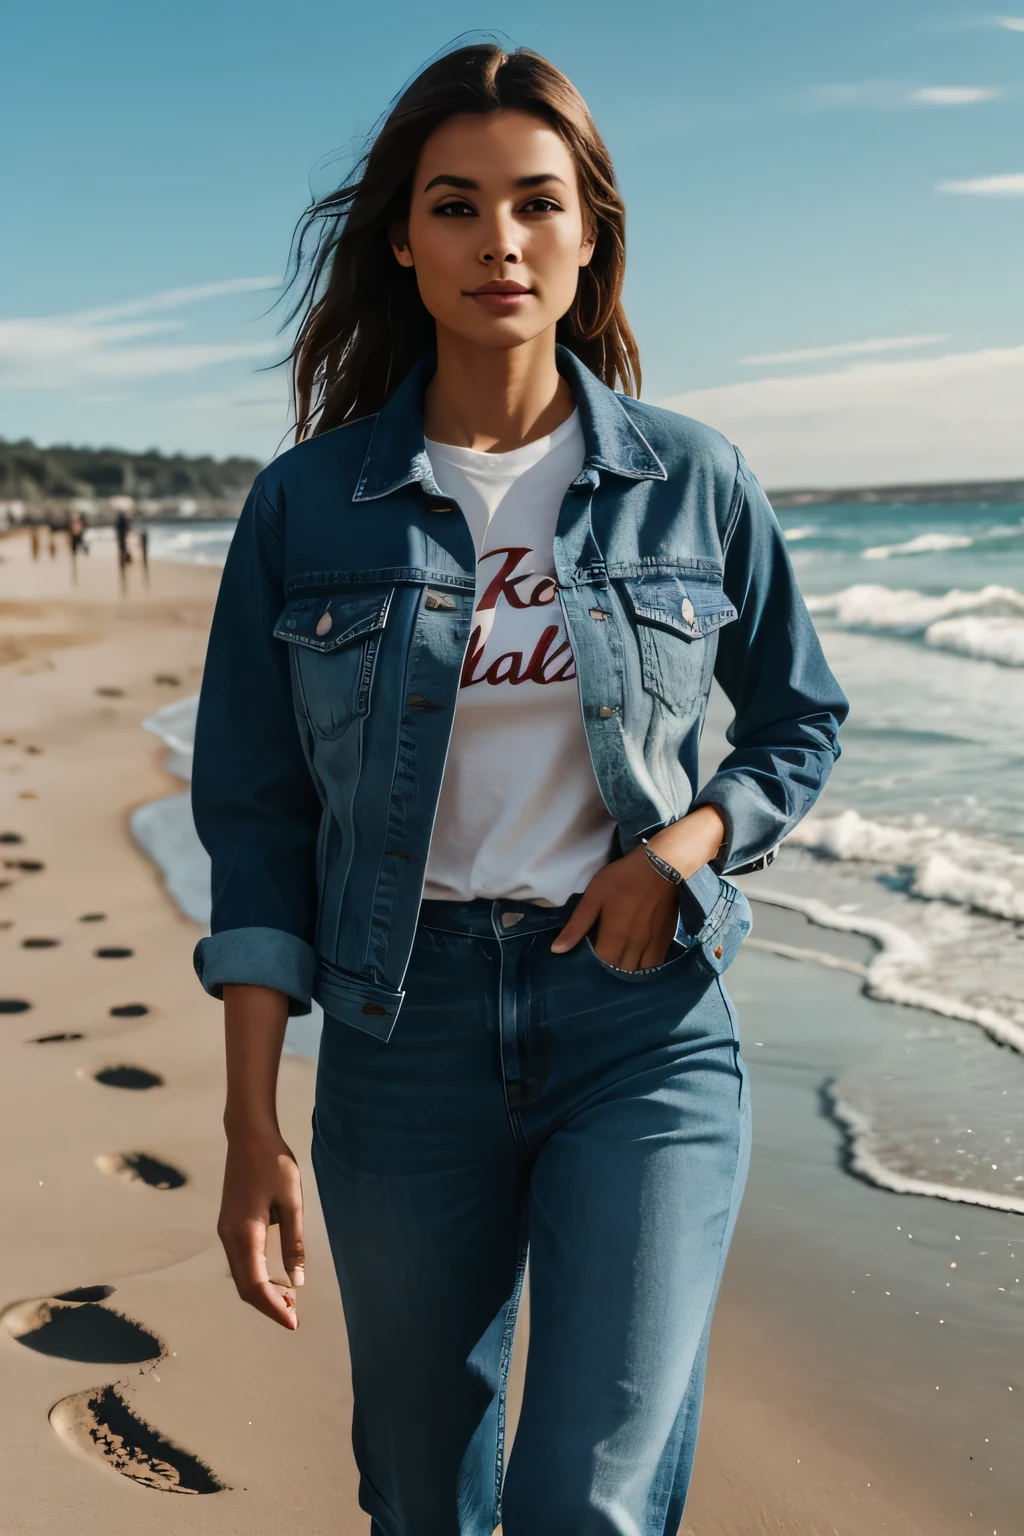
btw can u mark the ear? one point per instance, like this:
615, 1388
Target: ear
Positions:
587, 248
398, 239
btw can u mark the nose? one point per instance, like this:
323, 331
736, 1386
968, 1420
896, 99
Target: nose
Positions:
500, 244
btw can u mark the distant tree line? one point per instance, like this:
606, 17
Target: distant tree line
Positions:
34, 475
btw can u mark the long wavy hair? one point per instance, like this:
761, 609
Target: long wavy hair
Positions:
363, 324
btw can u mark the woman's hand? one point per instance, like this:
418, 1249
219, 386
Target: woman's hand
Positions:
635, 908
262, 1185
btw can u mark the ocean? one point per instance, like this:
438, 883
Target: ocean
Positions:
916, 844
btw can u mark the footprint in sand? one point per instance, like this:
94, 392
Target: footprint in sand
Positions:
140, 1168
93, 917
49, 1039
11, 837
128, 1077
128, 1010
100, 1426
75, 1326
110, 693
14, 1005
113, 952
39, 943
168, 679
30, 866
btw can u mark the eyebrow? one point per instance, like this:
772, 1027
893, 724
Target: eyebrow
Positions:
467, 184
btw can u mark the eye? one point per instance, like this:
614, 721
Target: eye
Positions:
549, 205
456, 207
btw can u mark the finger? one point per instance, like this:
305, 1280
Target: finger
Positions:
293, 1254
611, 946
584, 916
246, 1249
655, 954
276, 1302
632, 958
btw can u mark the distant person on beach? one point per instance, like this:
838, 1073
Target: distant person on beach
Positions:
446, 771
122, 527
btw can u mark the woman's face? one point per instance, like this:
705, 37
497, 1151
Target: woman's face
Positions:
495, 201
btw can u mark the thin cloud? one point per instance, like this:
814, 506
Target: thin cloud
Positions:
954, 95
891, 95
51, 351
1011, 23
959, 416
177, 298
987, 186
844, 349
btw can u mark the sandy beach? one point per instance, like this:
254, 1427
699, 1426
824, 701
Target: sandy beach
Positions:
866, 1369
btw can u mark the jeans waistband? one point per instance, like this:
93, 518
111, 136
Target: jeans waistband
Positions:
502, 918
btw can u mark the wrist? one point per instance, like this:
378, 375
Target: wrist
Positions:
692, 841
244, 1126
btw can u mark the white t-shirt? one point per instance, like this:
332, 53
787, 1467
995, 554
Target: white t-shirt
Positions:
520, 814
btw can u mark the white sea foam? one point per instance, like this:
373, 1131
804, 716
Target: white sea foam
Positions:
923, 544
905, 969
805, 531
940, 863
987, 639
937, 542
865, 1158
987, 624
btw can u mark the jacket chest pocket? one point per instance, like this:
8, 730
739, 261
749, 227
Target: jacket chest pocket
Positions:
676, 617
333, 641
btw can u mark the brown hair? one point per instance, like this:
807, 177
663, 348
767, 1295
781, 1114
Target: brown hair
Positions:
363, 324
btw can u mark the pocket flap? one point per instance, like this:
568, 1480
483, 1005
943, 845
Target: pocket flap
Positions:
689, 603
327, 623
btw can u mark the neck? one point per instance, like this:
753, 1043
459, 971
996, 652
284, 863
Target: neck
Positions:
495, 399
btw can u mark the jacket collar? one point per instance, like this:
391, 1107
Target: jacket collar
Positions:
396, 454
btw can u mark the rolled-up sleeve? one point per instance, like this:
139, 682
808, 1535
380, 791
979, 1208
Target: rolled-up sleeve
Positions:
254, 801
788, 706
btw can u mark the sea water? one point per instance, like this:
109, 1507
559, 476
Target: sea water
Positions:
917, 841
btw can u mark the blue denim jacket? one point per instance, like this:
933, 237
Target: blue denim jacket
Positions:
335, 660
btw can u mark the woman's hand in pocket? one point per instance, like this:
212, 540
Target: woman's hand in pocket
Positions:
262, 1186
636, 909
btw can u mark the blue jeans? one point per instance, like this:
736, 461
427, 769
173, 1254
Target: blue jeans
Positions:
600, 1117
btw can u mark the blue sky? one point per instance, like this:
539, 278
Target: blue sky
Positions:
845, 183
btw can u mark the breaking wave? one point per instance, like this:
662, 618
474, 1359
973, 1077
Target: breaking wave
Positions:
987, 624
939, 863
937, 543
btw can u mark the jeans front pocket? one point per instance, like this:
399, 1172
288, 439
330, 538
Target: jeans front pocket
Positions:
676, 953
333, 641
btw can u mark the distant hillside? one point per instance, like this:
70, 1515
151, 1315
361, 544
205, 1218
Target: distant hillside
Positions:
1004, 492
35, 475
39, 475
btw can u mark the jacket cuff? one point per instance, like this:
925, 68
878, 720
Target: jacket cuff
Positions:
750, 830
257, 957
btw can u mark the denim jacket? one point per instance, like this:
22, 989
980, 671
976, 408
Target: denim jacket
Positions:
335, 660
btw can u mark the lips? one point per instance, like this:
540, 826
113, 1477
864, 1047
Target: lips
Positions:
498, 287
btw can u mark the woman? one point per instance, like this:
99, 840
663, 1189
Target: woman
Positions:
445, 768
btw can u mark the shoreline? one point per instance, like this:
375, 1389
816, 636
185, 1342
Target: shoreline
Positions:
813, 1393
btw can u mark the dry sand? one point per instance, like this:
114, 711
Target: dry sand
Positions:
167, 1376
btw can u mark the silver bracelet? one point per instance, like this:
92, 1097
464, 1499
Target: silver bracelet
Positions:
666, 870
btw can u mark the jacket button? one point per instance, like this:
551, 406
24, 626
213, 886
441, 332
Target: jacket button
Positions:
324, 624
717, 951
606, 711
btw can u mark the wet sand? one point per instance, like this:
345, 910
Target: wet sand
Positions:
822, 1414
